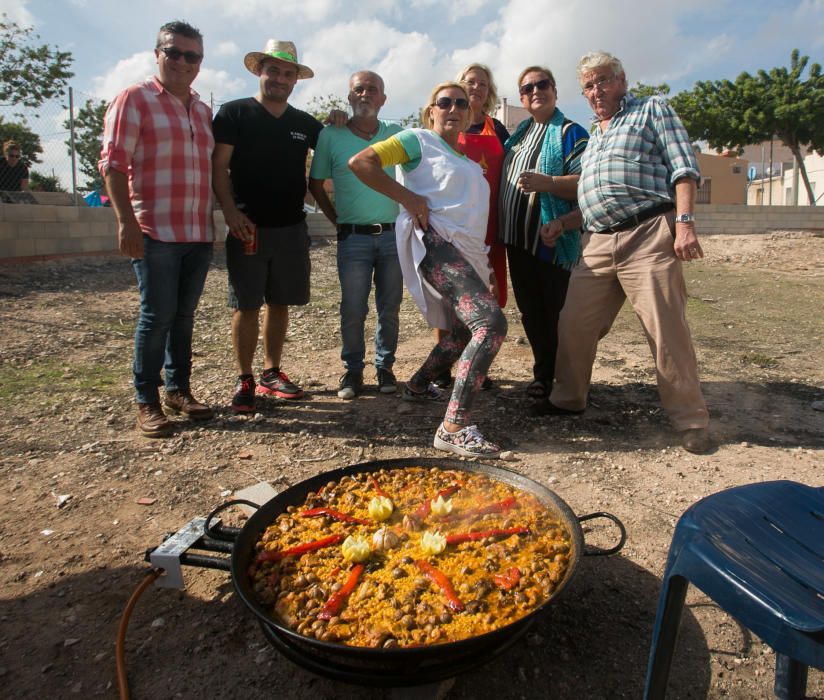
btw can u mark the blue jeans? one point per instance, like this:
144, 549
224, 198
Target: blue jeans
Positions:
358, 256
170, 278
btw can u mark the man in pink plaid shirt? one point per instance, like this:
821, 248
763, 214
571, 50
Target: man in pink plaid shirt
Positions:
156, 161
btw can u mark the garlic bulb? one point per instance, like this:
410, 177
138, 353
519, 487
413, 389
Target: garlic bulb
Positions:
385, 539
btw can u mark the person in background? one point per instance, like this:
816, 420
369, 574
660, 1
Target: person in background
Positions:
483, 142
639, 177
156, 162
441, 232
260, 181
14, 174
540, 174
365, 222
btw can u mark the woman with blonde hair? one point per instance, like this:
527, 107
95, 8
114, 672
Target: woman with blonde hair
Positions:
440, 235
483, 141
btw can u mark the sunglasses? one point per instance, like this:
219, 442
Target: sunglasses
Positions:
447, 102
13, 155
174, 54
527, 88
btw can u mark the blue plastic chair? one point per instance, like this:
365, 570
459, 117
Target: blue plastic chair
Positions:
758, 552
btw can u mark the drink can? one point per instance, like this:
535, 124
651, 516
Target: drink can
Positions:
250, 245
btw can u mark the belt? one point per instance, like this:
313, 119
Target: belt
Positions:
640, 217
368, 229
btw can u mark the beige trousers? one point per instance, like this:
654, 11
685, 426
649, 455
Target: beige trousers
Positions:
640, 265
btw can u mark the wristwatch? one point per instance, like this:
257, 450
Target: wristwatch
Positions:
685, 219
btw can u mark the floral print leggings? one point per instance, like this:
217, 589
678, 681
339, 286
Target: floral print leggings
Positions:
477, 326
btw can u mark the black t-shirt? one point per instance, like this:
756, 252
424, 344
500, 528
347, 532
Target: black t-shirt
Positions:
11, 175
268, 166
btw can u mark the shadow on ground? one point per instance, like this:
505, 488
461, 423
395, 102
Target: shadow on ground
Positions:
59, 640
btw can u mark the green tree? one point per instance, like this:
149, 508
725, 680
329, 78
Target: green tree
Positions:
754, 108
643, 90
30, 74
88, 133
411, 121
28, 141
319, 107
44, 183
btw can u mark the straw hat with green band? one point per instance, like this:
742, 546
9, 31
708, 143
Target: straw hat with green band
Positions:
281, 50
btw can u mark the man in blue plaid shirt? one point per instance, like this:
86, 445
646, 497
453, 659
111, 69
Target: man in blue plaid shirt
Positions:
636, 195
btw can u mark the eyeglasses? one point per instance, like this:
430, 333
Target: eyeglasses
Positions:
595, 84
15, 156
527, 88
446, 102
175, 54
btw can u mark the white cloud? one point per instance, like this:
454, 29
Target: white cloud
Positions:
406, 61
226, 48
217, 84
455, 10
17, 12
125, 72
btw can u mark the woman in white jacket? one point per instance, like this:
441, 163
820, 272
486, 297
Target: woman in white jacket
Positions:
440, 235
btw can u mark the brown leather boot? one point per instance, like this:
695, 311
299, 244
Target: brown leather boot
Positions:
183, 402
151, 421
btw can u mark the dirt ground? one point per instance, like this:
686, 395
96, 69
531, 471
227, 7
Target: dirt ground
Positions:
73, 535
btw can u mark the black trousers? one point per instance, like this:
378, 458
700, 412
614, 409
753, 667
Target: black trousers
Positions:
540, 291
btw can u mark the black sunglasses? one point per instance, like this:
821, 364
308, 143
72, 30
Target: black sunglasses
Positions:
446, 102
174, 54
527, 88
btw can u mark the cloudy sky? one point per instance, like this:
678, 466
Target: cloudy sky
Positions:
414, 44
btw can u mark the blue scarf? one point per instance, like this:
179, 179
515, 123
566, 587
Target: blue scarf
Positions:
567, 250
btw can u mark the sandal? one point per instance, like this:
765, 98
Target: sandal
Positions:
538, 389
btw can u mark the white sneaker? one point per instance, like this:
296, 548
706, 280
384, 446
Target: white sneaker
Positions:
467, 442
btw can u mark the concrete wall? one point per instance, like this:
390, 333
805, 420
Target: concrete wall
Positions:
738, 218
36, 232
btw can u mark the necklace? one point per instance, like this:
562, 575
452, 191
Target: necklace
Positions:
368, 135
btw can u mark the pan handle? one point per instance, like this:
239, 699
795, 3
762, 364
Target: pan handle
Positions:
220, 532
592, 552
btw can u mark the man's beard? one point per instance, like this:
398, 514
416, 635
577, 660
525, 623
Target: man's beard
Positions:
364, 110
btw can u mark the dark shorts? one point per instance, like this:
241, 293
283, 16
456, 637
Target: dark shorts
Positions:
277, 274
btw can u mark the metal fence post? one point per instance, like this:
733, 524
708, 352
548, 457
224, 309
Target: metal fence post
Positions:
71, 141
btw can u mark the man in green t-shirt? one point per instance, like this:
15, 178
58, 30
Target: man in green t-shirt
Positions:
365, 221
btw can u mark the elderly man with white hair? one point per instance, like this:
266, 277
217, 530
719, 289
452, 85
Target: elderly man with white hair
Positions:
636, 194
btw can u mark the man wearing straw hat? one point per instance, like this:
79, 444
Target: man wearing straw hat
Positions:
260, 180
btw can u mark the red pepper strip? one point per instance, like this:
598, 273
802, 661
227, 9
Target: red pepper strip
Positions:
377, 487
474, 536
499, 507
300, 549
334, 514
509, 580
425, 507
439, 579
334, 605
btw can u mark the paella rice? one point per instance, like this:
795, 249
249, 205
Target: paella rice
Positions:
409, 557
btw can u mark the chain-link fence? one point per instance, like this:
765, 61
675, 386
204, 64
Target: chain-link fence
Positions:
42, 134
60, 140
